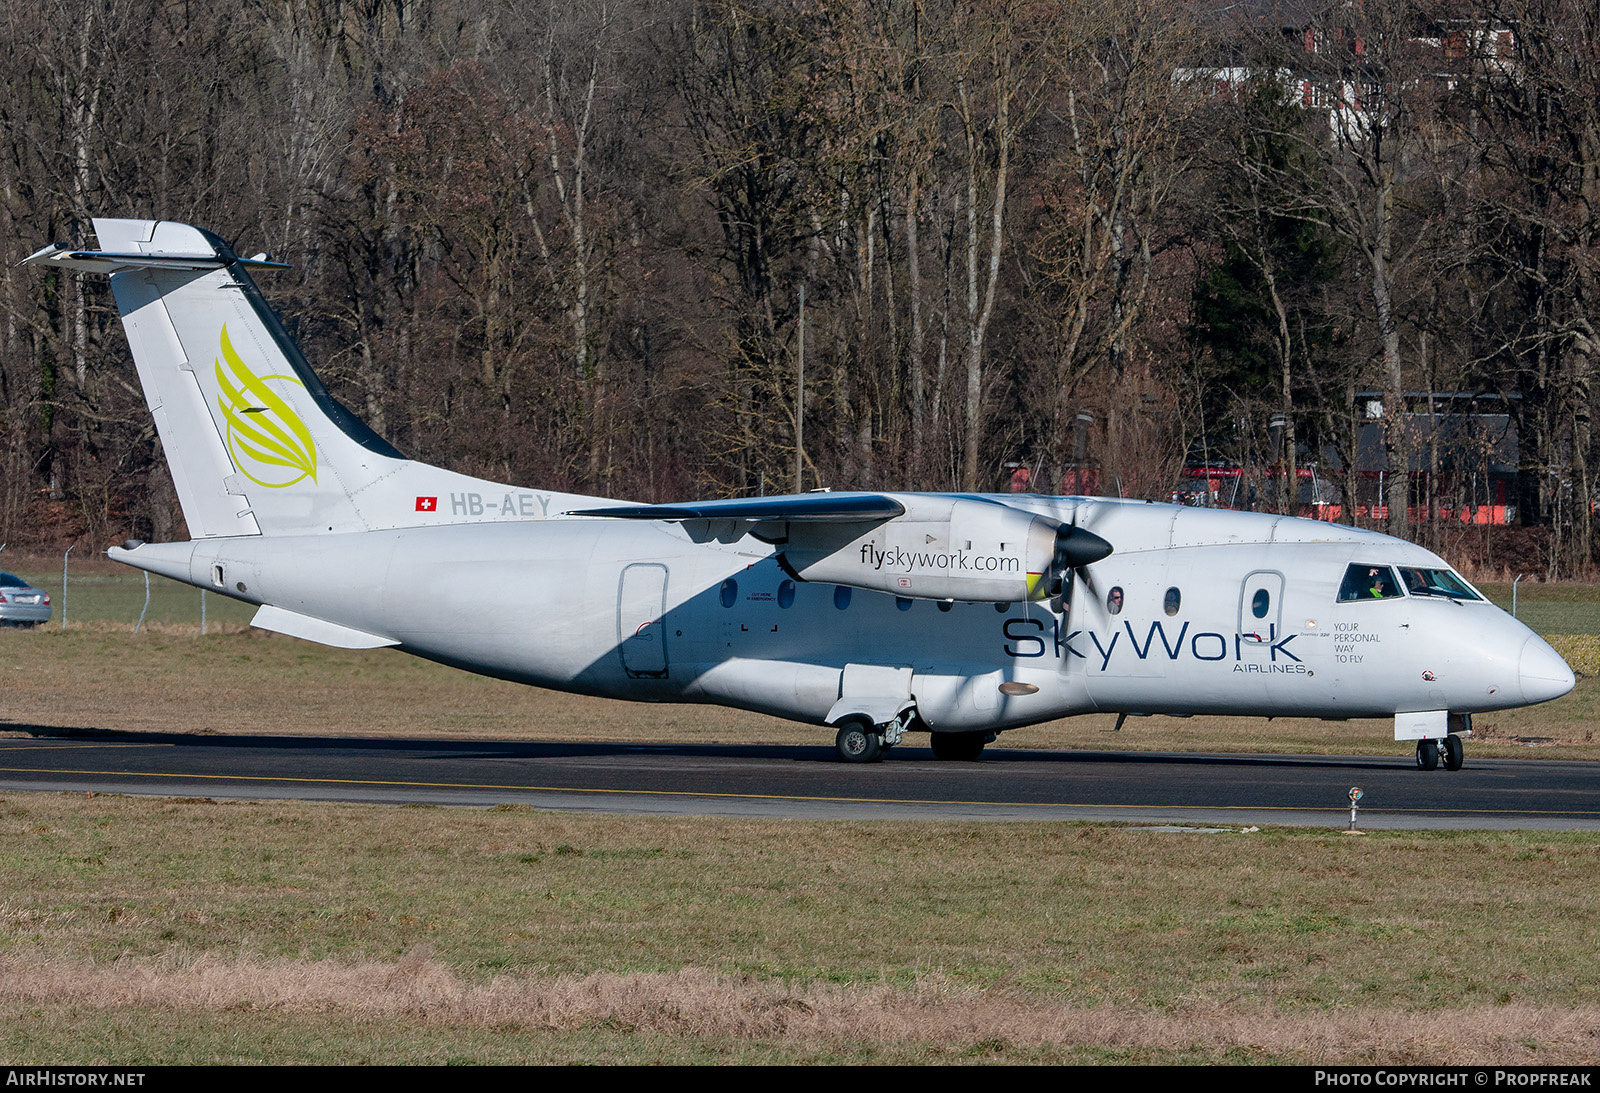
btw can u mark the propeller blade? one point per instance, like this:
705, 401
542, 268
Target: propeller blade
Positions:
1083, 575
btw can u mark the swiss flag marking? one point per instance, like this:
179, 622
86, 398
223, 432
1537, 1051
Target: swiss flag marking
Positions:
427, 504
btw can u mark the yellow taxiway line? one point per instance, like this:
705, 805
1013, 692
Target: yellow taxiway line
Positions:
68, 747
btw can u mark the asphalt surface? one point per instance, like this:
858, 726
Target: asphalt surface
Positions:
812, 783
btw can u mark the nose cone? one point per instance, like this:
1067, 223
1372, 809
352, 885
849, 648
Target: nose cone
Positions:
1543, 673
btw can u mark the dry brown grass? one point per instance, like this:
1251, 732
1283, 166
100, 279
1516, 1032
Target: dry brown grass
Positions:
200, 931
701, 1004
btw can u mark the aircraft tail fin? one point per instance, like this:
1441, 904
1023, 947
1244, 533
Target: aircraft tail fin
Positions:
255, 442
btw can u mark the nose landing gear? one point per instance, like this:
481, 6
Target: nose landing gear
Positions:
1450, 748
1454, 752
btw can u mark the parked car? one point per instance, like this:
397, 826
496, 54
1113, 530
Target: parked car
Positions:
20, 603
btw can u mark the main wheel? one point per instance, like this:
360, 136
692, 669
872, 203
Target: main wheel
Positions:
858, 743
1454, 752
965, 746
1427, 755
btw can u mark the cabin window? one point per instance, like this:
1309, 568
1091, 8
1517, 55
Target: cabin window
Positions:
730, 592
902, 603
945, 605
1364, 581
1171, 601
1114, 600
786, 594
1260, 603
1002, 607
841, 596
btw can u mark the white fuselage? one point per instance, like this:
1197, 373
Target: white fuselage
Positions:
658, 611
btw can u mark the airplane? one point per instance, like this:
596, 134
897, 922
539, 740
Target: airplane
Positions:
875, 614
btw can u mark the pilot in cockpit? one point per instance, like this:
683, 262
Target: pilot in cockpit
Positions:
1369, 582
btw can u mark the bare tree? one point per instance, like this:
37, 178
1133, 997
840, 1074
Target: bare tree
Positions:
1534, 66
1372, 72
997, 90
1118, 137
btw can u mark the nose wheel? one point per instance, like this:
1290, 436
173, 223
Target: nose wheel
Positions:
1427, 755
1450, 749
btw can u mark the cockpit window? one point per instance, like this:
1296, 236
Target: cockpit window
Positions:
1363, 581
1436, 582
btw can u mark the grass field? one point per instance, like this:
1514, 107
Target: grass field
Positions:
193, 931
143, 931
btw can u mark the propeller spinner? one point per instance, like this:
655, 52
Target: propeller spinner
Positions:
1075, 548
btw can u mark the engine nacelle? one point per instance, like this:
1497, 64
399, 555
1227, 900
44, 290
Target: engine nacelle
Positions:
942, 548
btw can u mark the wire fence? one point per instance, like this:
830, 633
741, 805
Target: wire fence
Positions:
135, 599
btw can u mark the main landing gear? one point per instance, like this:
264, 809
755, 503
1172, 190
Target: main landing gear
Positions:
1450, 748
964, 746
860, 741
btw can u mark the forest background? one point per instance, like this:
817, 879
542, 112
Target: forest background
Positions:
567, 244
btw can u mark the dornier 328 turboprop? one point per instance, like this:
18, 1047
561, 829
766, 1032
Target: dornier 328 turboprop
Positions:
876, 614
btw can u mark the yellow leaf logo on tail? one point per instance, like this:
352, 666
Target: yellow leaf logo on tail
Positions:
269, 443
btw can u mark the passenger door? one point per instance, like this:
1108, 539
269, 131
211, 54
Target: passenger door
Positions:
1261, 607
641, 634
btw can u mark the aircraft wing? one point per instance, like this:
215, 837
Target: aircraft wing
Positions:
929, 546
795, 508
